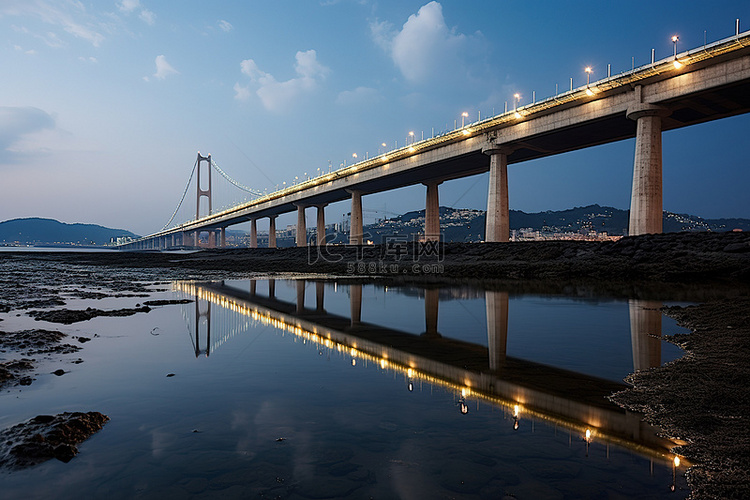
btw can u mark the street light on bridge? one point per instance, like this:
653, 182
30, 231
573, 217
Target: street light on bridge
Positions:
588, 71
677, 64
463, 117
516, 100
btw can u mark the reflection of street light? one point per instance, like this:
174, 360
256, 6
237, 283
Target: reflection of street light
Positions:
516, 101
677, 64
463, 117
588, 80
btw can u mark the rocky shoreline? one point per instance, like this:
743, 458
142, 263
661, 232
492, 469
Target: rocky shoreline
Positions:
702, 398
45, 437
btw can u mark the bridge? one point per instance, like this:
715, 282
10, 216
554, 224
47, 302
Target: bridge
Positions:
525, 389
699, 85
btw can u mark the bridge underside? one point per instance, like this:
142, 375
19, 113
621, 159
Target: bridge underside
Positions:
685, 111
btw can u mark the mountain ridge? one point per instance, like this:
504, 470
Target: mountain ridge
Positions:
468, 225
456, 225
44, 231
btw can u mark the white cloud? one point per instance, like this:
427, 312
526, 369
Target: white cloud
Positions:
425, 47
16, 125
128, 5
225, 26
249, 68
52, 40
163, 68
241, 93
147, 17
30, 52
308, 65
383, 34
358, 97
278, 96
70, 16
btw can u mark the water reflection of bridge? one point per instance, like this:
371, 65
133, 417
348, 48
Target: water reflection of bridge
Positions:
521, 387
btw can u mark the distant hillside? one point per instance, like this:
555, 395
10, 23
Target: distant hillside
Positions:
468, 225
37, 231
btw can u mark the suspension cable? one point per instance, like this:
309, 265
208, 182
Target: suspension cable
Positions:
183, 196
234, 182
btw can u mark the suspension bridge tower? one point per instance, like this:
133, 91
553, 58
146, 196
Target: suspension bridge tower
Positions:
202, 192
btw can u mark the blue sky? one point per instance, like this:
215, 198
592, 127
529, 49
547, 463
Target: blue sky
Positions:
104, 104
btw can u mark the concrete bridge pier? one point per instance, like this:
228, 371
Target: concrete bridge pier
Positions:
223, 237
253, 287
202, 318
431, 304
497, 225
272, 232
253, 233
271, 288
645, 330
355, 304
320, 234
646, 195
300, 295
320, 296
496, 304
356, 228
432, 212
301, 226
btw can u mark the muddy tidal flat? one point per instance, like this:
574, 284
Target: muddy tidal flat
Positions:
702, 399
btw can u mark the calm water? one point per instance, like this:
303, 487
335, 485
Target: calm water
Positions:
302, 389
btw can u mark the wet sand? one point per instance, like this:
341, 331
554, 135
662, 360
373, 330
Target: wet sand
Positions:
702, 398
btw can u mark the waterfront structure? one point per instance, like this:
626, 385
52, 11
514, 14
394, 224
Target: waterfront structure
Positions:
699, 85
